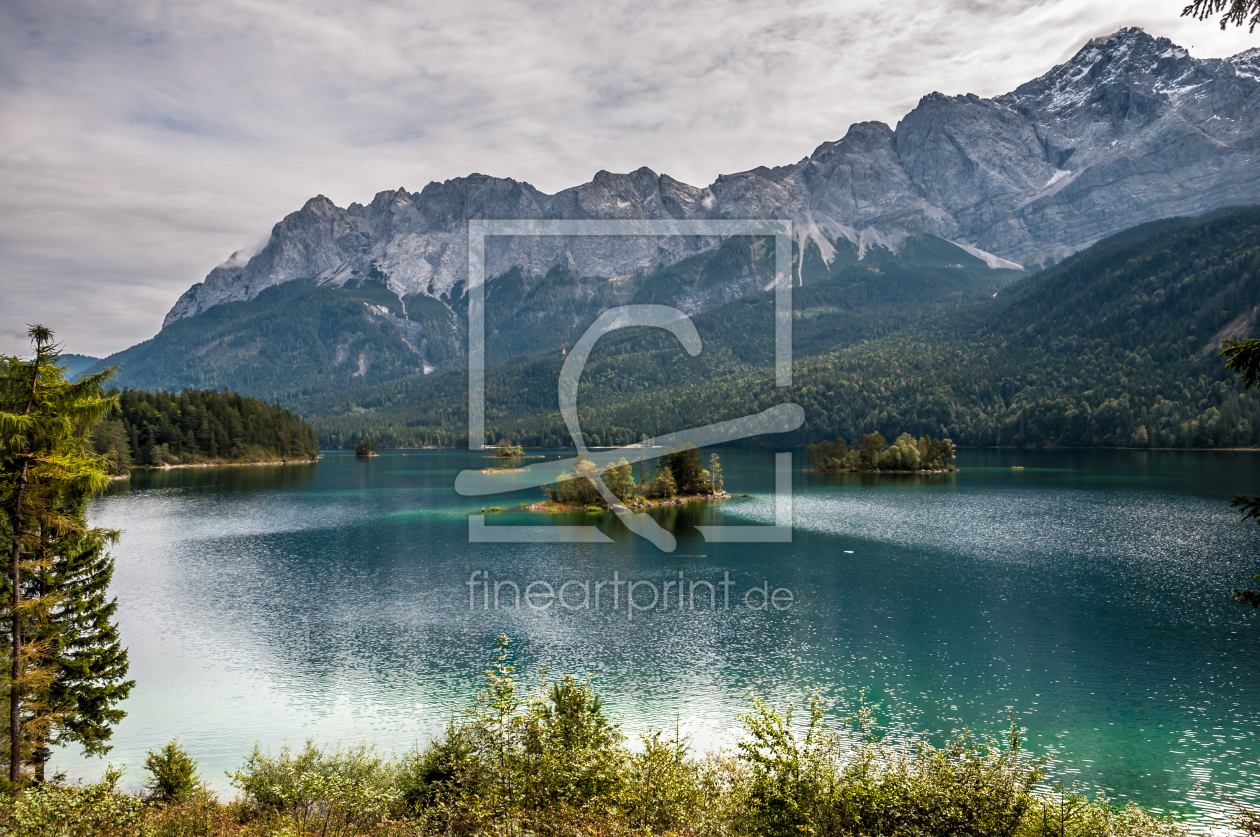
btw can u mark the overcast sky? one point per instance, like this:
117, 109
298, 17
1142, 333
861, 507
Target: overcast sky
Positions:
141, 142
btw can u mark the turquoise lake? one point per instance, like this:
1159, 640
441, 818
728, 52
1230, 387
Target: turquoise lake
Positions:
1089, 591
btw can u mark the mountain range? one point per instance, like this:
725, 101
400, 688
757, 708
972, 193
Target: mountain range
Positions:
956, 199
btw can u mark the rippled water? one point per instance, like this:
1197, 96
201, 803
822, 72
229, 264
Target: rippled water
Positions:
1088, 591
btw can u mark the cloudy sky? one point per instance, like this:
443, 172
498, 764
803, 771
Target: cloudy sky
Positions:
142, 142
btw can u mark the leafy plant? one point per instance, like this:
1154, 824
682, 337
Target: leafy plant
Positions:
56, 810
172, 774
284, 781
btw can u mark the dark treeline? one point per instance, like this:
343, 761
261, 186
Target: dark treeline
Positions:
162, 428
873, 453
1114, 348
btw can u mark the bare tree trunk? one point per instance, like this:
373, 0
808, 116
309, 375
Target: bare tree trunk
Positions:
15, 692
39, 748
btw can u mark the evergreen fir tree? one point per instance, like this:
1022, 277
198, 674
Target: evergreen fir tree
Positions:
47, 470
688, 471
83, 648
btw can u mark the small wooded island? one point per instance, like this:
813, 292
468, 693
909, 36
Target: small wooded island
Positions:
509, 451
677, 478
199, 427
365, 447
874, 454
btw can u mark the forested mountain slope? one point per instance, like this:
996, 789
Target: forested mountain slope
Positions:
1114, 347
294, 339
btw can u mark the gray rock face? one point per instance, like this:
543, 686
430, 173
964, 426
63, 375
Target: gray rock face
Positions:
1129, 130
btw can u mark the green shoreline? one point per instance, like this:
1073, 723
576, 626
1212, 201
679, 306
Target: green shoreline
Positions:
950, 470
183, 465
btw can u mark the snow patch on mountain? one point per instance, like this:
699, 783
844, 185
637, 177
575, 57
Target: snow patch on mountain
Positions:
871, 237
994, 262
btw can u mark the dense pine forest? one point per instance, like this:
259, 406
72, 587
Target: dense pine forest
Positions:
199, 426
1115, 347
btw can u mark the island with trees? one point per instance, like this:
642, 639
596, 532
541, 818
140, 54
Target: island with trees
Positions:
365, 448
677, 478
506, 457
199, 427
509, 451
874, 454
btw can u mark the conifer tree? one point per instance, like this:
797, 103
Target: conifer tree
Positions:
687, 468
47, 470
82, 646
1236, 12
1242, 357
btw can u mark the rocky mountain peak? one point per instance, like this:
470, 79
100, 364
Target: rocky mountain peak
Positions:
1247, 63
1104, 70
320, 205
391, 197
861, 138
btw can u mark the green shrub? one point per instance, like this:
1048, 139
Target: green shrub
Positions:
667, 789
338, 791
335, 805
441, 774
815, 780
1070, 813
793, 775
172, 774
57, 810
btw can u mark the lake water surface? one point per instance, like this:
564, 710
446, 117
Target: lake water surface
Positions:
1089, 591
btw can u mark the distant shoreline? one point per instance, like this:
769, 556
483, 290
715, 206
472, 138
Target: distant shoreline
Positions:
559, 451
216, 465
950, 470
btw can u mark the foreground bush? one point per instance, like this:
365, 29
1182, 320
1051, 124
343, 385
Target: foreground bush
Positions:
550, 761
58, 810
173, 774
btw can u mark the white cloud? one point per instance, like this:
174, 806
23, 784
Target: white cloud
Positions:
142, 142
